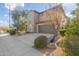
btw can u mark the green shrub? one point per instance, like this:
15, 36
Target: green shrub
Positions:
62, 32
40, 42
70, 45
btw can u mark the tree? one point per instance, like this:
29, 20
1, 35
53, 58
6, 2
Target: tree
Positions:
19, 19
73, 28
71, 41
57, 18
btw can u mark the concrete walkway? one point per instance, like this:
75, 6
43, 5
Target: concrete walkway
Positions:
5, 34
19, 45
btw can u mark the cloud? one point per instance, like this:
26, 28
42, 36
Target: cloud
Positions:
69, 15
6, 15
69, 7
12, 6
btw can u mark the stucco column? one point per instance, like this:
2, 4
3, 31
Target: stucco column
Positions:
37, 30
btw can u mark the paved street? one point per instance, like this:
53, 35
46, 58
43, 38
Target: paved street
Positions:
19, 45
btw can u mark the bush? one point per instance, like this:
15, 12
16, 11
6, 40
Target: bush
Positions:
12, 32
72, 31
62, 32
40, 42
70, 45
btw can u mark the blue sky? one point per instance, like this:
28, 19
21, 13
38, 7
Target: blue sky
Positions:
4, 11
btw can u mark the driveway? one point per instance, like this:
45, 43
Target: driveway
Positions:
19, 45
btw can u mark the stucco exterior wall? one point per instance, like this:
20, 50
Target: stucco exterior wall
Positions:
32, 19
53, 16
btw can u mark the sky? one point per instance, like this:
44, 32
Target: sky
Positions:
4, 9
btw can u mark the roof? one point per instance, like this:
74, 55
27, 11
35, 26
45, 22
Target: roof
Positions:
57, 7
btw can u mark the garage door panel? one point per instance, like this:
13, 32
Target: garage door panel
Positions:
45, 29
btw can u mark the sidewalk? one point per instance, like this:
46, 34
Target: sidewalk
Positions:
2, 35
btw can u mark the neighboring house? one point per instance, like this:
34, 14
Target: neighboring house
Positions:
1, 31
47, 21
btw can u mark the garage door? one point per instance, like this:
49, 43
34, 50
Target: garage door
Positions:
45, 29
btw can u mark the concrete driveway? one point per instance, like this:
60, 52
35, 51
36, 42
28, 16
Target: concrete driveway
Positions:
19, 45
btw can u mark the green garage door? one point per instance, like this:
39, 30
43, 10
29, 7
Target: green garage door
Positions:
45, 29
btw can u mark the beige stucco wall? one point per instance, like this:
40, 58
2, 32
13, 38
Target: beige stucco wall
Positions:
47, 15
32, 19
54, 16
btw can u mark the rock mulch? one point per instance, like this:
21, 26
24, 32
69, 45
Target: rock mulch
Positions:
53, 49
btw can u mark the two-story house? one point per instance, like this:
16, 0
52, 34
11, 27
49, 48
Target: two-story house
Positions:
47, 21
